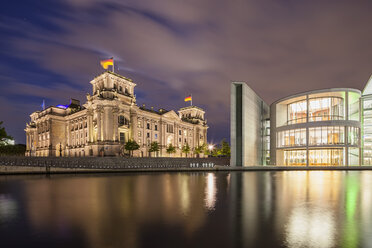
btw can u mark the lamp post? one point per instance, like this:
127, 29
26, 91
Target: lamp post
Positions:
210, 148
60, 149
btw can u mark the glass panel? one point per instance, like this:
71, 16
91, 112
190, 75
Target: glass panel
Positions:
353, 135
353, 156
326, 157
291, 138
297, 112
326, 108
354, 106
295, 158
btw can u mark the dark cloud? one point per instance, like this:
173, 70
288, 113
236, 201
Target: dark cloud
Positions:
173, 48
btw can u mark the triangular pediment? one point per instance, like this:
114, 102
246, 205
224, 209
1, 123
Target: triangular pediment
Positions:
171, 114
368, 88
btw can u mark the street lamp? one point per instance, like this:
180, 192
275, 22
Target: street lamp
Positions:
210, 148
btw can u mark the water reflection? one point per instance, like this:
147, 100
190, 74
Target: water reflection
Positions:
210, 191
8, 208
250, 209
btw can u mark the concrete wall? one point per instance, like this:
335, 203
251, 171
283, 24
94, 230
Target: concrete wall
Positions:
248, 111
33, 164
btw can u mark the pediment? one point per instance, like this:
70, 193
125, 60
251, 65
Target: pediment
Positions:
171, 115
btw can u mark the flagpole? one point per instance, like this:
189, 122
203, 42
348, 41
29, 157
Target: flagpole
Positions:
113, 65
191, 100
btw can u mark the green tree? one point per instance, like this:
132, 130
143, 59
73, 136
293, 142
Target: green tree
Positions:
130, 146
3, 135
154, 147
225, 148
199, 149
171, 149
216, 151
186, 149
17, 150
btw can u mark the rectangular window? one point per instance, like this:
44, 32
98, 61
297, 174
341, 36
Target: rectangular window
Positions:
297, 112
148, 135
156, 136
156, 127
290, 138
169, 128
180, 132
122, 137
148, 125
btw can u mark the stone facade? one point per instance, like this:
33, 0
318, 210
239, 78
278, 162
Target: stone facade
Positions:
110, 118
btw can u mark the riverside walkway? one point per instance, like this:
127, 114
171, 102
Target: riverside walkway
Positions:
46, 165
30, 165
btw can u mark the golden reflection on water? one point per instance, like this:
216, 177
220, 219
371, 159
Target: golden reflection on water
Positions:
92, 204
250, 209
210, 191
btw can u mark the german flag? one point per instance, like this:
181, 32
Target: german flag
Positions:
188, 99
106, 63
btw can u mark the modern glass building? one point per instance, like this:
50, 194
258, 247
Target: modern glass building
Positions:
316, 128
329, 127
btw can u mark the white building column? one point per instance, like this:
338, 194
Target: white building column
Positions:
99, 125
115, 125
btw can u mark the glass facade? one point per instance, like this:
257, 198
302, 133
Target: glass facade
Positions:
326, 109
291, 138
334, 141
326, 135
326, 157
295, 158
367, 131
297, 112
353, 136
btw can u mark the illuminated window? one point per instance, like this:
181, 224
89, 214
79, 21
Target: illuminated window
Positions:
326, 157
326, 108
297, 112
294, 137
353, 133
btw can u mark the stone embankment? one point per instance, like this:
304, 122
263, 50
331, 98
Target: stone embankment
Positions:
30, 165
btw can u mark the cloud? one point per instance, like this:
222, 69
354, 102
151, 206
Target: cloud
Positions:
172, 48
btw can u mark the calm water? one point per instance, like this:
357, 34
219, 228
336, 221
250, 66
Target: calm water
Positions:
249, 209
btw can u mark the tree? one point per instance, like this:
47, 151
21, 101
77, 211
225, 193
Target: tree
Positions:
225, 148
199, 149
154, 147
130, 146
186, 149
171, 149
3, 135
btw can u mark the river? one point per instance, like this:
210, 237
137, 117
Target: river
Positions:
237, 209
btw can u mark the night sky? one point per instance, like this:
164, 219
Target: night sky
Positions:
51, 50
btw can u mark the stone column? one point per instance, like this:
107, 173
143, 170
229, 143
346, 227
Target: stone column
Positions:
134, 124
90, 125
27, 141
99, 126
115, 125
68, 135
107, 133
